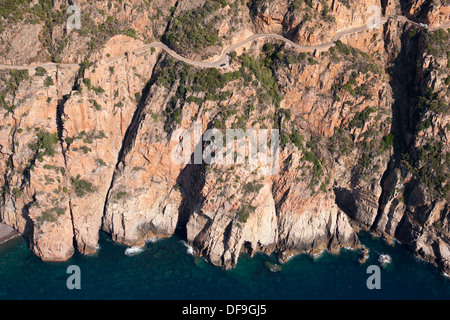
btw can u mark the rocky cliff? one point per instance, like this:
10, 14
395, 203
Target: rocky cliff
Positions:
363, 127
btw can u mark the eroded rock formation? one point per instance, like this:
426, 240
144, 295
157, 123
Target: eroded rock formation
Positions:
363, 129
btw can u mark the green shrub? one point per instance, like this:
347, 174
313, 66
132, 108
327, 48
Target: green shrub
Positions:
88, 84
297, 140
130, 33
191, 31
40, 72
342, 48
45, 144
387, 142
100, 162
81, 187
120, 195
244, 213
312, 61
48, 82
16, 77
432, 101
51, 215
138, 97
16, 192
437, 42
361, 117
268, 47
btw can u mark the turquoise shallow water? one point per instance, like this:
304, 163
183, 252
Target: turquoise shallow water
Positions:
164, 270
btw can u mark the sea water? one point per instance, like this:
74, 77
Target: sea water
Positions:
168, 269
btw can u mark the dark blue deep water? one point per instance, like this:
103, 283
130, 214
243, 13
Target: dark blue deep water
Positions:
164, 270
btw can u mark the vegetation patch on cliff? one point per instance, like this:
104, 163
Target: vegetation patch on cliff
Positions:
428, 159
194, 30
81, 187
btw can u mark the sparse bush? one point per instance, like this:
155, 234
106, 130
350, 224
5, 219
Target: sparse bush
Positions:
130, 33
48, 81
40, 72
81, 187
45, 144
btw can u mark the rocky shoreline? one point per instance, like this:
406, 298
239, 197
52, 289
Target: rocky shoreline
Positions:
7, 233
363, 130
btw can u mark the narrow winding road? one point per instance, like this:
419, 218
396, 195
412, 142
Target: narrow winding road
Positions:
224, 59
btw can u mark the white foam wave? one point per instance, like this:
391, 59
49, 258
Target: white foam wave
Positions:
132, 251
384, 259
287, 259
189, 249
319, 255
419, 259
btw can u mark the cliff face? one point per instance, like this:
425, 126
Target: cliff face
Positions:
414, 204
310, 22
363, 130
36, 31
33, 168
434, 13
